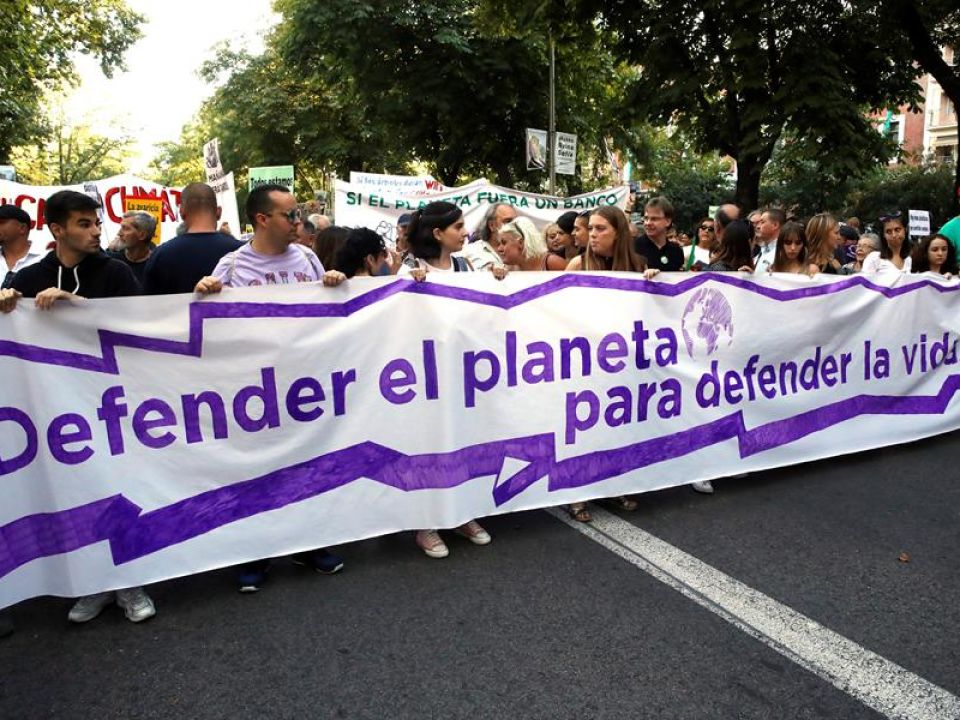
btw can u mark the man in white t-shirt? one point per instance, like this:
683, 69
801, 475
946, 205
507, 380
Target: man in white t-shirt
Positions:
273, 257
768, 230
16, 249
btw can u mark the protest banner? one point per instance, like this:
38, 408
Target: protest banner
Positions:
420, 185
151, 206
147, 438
355, 206
114, 192
536, 145
565, 153
919, 223
277, 175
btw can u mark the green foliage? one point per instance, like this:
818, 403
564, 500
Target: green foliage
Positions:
903, 188
71, 155
40, 38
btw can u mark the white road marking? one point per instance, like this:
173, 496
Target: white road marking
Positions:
873, 680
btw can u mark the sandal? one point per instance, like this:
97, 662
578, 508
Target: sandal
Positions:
579, 512
624, 503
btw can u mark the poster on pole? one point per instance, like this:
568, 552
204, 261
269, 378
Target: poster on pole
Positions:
276, 174
536, 149
565, 153
213, 166
919, 223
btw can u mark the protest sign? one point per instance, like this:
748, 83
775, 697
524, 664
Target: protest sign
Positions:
162, 436
404, 184
113, 192
277, 175
919, 223
151, 206
536, 145
357, 207
213, 166
565, 153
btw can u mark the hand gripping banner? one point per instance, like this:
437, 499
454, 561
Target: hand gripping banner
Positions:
148, 438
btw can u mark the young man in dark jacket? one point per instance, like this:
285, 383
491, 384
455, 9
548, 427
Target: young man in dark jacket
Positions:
78, 268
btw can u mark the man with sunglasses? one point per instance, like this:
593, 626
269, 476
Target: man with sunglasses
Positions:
15, 246
273, 256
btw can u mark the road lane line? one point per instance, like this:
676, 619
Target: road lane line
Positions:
873, 680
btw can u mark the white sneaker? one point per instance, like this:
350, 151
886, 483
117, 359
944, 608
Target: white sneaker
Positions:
87, 608
432, 544
474, 533
136, 604
704, 486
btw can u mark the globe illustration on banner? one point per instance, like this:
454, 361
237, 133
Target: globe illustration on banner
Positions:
707, 323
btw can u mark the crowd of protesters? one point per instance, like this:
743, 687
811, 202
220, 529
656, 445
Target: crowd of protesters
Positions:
287, 248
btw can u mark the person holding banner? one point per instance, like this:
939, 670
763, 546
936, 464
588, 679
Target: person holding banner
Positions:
790, 255
699, 254
273, 257
610, 247
15, 246
434, 234
76, 268
364, 254
894, 254
521, 247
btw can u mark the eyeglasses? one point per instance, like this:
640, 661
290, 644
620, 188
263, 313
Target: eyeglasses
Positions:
292, 216
708, 228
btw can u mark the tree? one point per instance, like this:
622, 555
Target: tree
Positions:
72, 155
734, 75
39, 38
928, 26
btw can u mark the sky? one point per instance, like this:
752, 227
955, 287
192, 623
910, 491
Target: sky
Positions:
160, 90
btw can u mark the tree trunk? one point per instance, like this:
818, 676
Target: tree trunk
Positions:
748, 183
931, 60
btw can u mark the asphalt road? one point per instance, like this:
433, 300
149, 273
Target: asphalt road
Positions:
542, 623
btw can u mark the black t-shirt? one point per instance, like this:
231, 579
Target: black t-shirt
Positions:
178, 264
669, 258
137, 267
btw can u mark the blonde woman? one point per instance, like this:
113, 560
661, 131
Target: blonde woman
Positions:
823, 239
521, 247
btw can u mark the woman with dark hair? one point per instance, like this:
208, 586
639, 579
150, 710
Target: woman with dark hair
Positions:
823, 239
698, 256
937, 255
734, 253
363, 254
791, 253
894, 254
610, 247
328, 242
436, 231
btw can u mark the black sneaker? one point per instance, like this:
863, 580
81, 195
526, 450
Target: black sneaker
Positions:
253, 575
325, 563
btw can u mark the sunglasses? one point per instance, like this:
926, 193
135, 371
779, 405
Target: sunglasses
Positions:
292, 216
708, 228
888, 218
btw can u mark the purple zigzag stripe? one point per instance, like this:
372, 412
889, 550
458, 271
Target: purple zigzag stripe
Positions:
133, 535
199, 312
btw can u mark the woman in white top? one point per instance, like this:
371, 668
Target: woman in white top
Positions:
436, 232
894, 254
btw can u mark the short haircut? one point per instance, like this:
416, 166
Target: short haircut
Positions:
58, 207
198, 196
533, 243
359, 243
721, 219
776, 215
143, 221
662, 204
259, 202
